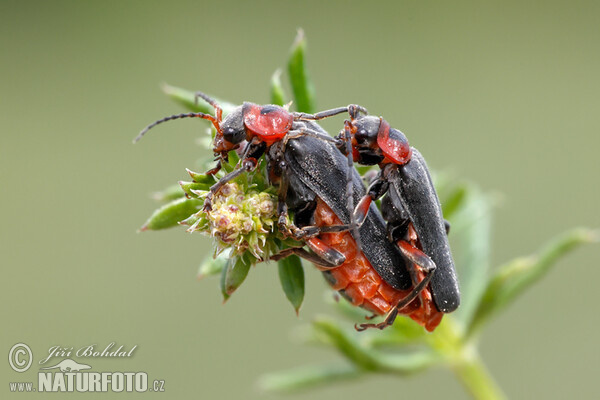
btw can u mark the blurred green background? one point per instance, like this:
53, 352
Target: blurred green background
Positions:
503, 93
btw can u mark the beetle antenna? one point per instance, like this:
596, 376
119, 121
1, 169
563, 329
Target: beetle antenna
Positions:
177, 116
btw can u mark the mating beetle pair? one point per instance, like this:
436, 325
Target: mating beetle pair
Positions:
319, 185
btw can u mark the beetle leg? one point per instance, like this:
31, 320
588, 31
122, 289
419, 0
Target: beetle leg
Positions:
306, 232
248, 162
215, 169
355, 109
220, 157
447, 226
320, 115
389, 320
302, 131
354, 225
282, 209
300, 252
324, 256
378, 188
352, 109
247, 165
325, 252
415, 257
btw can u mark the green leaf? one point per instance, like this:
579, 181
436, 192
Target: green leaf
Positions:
513, 278
211, 266
454, 200
346, 345
302, 87
189, 188
188, 99
277, 94
173, 192
233, 158
403, 331
201, 178
223, 280
369, 359
409, 363
291, 276
308, 377
170, 214
470, 236
234, 274
363, 169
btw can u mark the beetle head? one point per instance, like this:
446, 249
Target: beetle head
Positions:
375, 142
232, 127
364, 140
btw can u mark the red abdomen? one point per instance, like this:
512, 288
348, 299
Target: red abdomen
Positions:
357, 280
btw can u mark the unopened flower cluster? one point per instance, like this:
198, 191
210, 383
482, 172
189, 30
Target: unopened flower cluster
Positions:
241, 219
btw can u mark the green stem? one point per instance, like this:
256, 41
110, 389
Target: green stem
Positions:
463, 358
475, 377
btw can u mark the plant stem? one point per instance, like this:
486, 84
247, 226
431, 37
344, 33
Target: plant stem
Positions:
475, 377
463, 358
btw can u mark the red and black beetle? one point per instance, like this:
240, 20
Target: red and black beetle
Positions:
311, 175
259, 125
259, 128
411, 207
316, 182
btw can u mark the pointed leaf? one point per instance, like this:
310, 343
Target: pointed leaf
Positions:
191, 188
308, 377
301, 85
513, 278
454, 200
470, 236
291, 276
222, 282
173, 192
409, 363
170, 214
201, 178
369, 359
277, 94
234, 274
187, 99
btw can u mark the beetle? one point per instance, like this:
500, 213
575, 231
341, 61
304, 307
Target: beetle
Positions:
311, 176
260, 126
411, 206
304, 162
